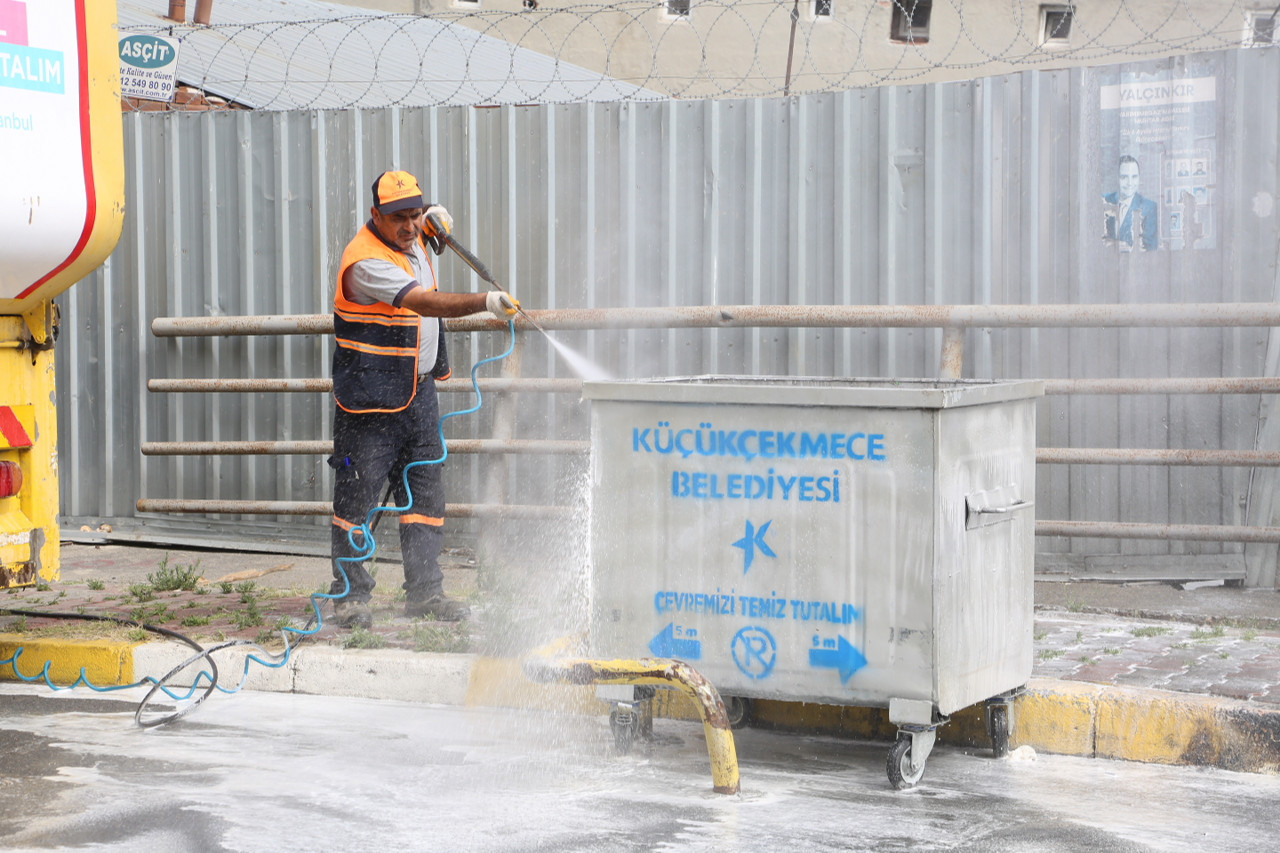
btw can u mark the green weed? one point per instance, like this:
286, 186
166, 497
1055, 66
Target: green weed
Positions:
168, 578
362, 638
267, 636
142, 592
1050, 654
1208, 633
1149, 631
247, 617
96, 584
431, 638
194, 621
157, 612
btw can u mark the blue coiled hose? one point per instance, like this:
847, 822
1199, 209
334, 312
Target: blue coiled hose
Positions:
206, 681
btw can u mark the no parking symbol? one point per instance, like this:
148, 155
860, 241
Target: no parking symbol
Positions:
755, 651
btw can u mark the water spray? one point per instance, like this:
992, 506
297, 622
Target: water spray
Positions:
441, 238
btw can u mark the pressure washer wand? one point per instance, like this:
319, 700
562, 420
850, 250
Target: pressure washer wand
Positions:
475, 263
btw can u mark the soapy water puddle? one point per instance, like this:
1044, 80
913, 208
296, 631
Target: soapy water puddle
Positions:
260, 771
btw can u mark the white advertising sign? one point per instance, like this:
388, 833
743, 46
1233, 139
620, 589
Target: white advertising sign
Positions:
43, 204
148, 67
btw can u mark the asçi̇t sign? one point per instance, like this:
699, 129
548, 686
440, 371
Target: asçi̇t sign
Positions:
148, 67
61, 196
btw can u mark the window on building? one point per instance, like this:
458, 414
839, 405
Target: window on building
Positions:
1264, 27
910, 21
1055, 25
676, 8
822, 9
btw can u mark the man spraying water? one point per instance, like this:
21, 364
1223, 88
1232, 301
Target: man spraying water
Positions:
389, 352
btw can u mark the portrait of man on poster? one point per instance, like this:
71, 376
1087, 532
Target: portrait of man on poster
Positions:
1128, 214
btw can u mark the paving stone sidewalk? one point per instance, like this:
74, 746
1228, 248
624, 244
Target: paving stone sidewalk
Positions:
1184, 657
1222, 643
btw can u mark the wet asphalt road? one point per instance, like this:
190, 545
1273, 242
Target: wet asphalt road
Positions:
256, 771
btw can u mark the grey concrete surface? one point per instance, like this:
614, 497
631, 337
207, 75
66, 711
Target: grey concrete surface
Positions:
286, 772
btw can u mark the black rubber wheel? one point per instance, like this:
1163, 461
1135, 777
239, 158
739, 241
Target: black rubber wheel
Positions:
998, 728
624, 732
739, 710
899, 766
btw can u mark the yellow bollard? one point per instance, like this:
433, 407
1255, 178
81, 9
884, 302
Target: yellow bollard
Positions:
662, 672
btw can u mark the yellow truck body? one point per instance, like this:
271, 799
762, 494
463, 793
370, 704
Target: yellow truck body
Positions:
61, 213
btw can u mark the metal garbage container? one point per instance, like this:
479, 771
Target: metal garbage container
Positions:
842, 541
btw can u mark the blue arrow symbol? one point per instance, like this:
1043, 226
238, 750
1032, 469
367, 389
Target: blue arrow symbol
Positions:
667, 645
845, 658
753, 540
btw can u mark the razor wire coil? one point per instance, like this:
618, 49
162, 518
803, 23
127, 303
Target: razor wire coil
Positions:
634, 51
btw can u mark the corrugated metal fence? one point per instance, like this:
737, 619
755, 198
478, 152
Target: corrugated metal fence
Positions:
978, 192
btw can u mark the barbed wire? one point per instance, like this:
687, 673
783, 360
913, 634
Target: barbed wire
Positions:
312, 55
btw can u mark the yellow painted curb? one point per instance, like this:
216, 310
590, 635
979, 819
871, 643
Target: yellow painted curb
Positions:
1057, 717
1051, 716
103, 663
500, 683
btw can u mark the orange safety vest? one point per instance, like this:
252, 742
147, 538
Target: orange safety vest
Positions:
375, 362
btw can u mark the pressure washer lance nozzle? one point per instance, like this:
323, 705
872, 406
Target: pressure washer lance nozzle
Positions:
442, 234
519, 309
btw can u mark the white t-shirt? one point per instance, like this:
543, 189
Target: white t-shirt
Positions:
375, 280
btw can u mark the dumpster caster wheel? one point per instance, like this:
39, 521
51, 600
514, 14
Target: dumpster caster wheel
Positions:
998, 728
902, 773
739, 711
624, 725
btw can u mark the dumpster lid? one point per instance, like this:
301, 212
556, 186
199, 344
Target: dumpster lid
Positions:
816, 391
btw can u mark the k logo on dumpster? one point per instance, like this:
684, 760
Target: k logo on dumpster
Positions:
752, 542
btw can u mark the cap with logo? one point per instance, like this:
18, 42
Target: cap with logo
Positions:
394, 191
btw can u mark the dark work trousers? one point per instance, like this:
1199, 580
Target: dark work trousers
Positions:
369, 451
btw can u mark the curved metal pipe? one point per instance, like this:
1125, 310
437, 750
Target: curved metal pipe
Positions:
663, 672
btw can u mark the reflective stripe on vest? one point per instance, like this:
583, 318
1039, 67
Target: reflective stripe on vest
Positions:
375, 362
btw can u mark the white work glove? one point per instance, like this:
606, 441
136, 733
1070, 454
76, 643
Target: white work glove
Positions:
501, 305
438, 212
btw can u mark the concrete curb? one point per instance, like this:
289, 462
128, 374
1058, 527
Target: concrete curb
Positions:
1052, 716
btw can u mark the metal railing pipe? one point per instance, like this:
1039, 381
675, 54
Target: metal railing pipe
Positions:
1135, 530
545, 447
952, 361
1168, 315
246, 507
1155, 456
1166, 385
271, 386
1153, 385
